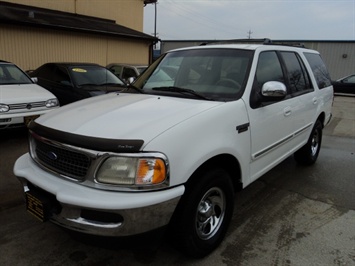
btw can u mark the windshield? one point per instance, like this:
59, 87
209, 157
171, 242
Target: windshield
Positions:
214, 74
93, 75
11, 74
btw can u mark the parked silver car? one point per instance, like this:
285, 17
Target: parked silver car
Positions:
21, 100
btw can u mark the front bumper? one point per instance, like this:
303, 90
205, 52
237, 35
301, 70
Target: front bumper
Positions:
99, 212
21, 118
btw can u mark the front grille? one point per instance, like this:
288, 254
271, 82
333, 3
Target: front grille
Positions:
61, 160
27, 105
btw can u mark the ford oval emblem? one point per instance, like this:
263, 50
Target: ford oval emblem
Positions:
51, 155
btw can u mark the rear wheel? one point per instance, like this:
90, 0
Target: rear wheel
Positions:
308, 154
203, 215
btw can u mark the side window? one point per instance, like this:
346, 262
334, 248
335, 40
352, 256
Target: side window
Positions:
128, 73
319, 70
298, 78
46, 72
268, 69
61, 76
116, 70
350, 79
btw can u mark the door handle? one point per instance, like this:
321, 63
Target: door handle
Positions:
315, 101
287, 111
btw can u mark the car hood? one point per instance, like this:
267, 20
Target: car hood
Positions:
124, 116
23, 93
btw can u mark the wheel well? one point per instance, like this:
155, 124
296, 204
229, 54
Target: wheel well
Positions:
225, 161
321, 118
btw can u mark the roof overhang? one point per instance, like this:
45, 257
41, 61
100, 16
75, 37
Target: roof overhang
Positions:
15, 14
146, 2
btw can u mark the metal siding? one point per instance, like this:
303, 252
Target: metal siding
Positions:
128, 52
128, 13
332, 54
30, 48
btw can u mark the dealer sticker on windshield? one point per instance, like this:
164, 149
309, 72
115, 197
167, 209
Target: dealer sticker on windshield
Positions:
79, 70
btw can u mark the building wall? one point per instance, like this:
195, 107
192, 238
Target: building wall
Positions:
332, 53
339, 57
128, 13
30, 47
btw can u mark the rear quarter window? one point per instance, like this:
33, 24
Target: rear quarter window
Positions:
319, 70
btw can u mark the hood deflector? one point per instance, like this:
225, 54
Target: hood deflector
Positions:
93, 143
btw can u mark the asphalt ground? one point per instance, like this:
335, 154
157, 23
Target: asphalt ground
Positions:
291, 216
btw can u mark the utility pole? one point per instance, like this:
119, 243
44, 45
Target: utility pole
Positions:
146, 2
249, 34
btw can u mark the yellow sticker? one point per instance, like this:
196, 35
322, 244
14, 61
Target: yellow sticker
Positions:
79, 70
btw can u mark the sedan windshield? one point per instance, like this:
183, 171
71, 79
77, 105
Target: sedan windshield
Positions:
94, 76
209, 74
10, 74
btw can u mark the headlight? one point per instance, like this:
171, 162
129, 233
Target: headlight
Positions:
4, 108
132, 171
52, 103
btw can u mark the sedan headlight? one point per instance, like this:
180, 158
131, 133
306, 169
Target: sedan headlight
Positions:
4, 108
132, 171
52, 103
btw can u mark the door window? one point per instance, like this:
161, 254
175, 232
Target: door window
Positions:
319, 70
61, 76
128, 73
46, 72
298, 78
268, 69
115, 69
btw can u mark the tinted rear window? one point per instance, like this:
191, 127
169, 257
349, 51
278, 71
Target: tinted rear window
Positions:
319, 70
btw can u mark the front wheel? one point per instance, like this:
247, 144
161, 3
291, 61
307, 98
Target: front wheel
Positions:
203, 215
308, 154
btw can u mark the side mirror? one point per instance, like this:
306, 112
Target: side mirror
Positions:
130, 80
274, 89
35, 80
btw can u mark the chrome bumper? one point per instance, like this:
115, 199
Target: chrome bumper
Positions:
95, 211
111, 222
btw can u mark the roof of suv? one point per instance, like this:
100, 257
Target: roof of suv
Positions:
247, 45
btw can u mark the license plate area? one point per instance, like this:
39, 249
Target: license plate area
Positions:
41, 204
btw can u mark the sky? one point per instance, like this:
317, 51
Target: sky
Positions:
241, 19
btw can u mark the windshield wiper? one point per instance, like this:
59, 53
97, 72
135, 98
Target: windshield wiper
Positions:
89, 84
181, 90
113, 85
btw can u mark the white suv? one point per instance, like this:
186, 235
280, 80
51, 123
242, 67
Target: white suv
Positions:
197, 125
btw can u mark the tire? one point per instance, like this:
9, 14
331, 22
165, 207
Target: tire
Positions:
201, 219
308, 154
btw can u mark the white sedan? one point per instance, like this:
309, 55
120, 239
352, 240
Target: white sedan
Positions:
21, 100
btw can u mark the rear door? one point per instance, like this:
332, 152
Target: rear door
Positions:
304, 96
